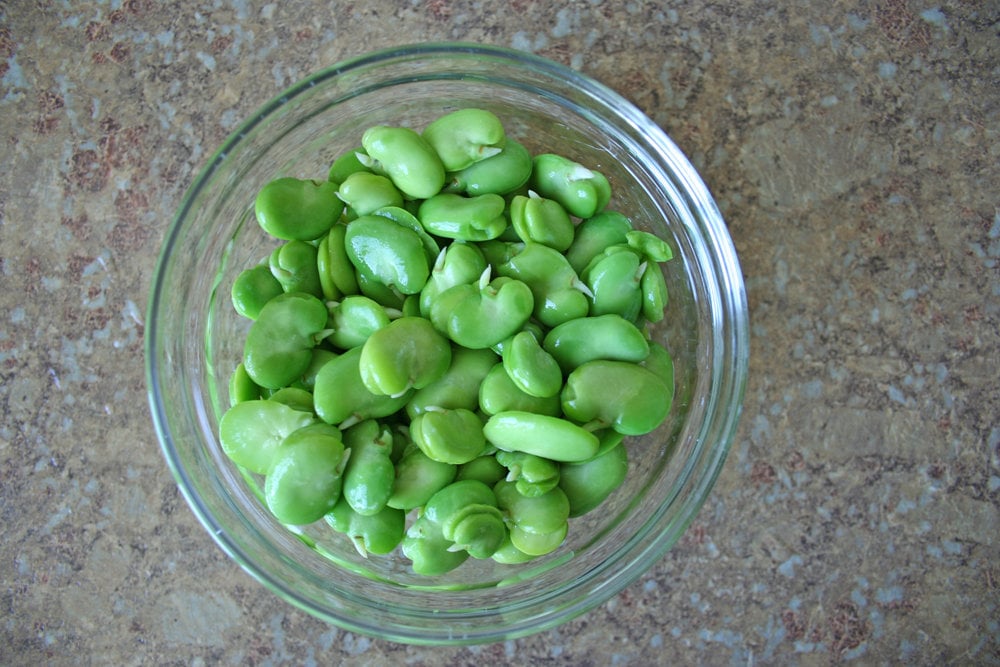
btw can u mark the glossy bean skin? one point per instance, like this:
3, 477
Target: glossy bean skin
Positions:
279, 344
405, 218
549, 437
406, 158
364, 192
377, 533
660, 363
498, 393
346, 164
538, 523
654, 293
294, 397
452, 216
354, 319
624, 396
485, 468
482, 314
336, 272
418, 477
464, 137
387, 252
584, 339
501, 174
588, 484
294, 265
650, 246
557, 290
251, 431
459, 386
340, 396
594, 235
241, 386
252, 289
369, 474
581, 191
532, 475
458, 264
449, 436
405, 355
614, 279
540, 220
531, 368
469, 518
303, 482
296, 209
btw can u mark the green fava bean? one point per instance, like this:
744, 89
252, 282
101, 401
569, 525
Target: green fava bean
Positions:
377, 533
449, 436
336, 272
459, 386
614, 279
481, 315
464, 137
279, 344
625, 396
498, 252
588, 484
486, 469
469, 517
457, 264
373, 288
294, 265
251, 431
610, 336
320, 356
549, 437
369, 474
294, 397
583, 192
418, 477
498, 393
429, 551
241, 386
596, 234
406, 158
304, 480
354, 320
508, 554
340, 396
364, 193
649, 246
532, 475
654, 292
346, 164
543, 513
405, 355
296, 209
388, 252
538, 544
559, 295
404, 218
532, 369
660, 363
478, 218
501, 174
541, 220
252, 289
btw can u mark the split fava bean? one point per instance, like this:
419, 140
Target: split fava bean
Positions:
465, 315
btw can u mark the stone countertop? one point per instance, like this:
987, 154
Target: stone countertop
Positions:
853, 149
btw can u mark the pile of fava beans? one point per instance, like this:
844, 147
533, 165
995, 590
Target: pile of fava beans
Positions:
448, 345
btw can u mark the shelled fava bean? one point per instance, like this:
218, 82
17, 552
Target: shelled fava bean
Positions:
452, 331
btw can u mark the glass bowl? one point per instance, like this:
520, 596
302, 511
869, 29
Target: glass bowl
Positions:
194, 340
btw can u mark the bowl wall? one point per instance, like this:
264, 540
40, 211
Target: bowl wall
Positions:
195, 338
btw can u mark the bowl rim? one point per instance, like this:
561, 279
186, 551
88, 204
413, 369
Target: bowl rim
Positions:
727, 269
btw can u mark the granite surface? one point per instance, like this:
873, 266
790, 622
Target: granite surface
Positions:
853, 148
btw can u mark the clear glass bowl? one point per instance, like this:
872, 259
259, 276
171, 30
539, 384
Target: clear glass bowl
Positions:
194, 340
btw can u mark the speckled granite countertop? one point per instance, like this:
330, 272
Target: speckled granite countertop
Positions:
854, 151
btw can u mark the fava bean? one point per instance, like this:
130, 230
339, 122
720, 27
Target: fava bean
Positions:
449, 436
369, 473
498, 393
304, 480
469, 517
388, 252
464, 137
294, 397
532, 369
539, 523
596, 234
457, 264
660, 363
364, 192
484, 468
549, 437
624, 396
532, 475
294, 265
654, 292
482, 314
418, 477
341, 397
252, 289
588, 484
406, 354
279, 344
501, 174
614, 279
251, 431
583, 192
459, 386
584, 339
405, 218
648, 245
354, 319
453, 216
558, 292
406, 158
541, 220
241, 386
296, 209
346, 164
377, 533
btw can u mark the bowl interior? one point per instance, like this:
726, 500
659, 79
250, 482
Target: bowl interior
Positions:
197, 340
